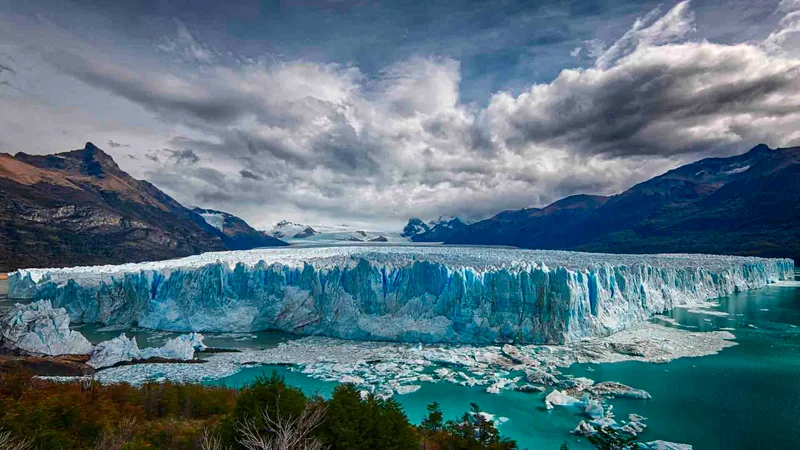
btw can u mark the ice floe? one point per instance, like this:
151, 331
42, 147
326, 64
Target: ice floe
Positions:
381, 367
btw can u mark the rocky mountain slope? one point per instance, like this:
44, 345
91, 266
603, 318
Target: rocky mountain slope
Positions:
235, 233
747, 204
79, 207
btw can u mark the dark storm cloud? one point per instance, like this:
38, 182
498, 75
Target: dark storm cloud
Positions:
114, 144
185, 155
648, 99
214, 197
250, 175
619, 113
167, 96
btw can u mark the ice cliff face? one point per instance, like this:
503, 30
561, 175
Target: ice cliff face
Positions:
40, 329
427, 294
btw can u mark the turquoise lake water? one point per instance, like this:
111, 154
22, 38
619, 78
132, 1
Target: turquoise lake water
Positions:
746, 397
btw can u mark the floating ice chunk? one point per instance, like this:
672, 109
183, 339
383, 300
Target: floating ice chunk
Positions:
122, 349
181, 347
708, 312
537, 376
407, 389
114, 351
500, 384
593, 408
530, 388
513, 353
583, 429
558, 398
38, 328
614, 389
351, 380
665, 445
605, 422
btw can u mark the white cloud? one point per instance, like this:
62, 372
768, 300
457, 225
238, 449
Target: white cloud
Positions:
648, 31
648, 95
185, 47
786, 38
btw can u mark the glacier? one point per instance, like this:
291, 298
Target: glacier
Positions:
447, 294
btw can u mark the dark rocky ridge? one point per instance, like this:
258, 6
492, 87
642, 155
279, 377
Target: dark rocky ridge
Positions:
434, 231
80, 208
747, 204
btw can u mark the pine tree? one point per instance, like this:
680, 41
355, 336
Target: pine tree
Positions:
433, 422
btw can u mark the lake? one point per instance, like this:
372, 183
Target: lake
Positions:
745, 397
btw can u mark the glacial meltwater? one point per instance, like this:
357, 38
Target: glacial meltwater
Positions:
745, 397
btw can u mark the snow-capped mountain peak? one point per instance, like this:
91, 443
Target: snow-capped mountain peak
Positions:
291, 230
434, 231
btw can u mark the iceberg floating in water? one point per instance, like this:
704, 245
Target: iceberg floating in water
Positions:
181, 347
122, 349
402, 293
40, 329
114, 351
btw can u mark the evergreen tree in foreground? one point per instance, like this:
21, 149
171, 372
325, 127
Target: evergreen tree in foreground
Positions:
473, 431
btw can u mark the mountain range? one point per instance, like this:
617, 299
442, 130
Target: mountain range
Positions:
747, 204
438, 230
80, 208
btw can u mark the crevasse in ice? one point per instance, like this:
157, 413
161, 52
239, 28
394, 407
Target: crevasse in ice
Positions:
403, 293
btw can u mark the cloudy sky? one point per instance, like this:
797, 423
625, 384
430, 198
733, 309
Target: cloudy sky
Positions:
369, 113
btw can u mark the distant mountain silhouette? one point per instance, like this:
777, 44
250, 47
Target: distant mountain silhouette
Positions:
434, 231
746, 205
80, 208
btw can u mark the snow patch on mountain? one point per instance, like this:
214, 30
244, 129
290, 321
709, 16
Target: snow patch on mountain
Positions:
216, 220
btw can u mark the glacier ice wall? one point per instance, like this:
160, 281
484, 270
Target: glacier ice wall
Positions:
403, 293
